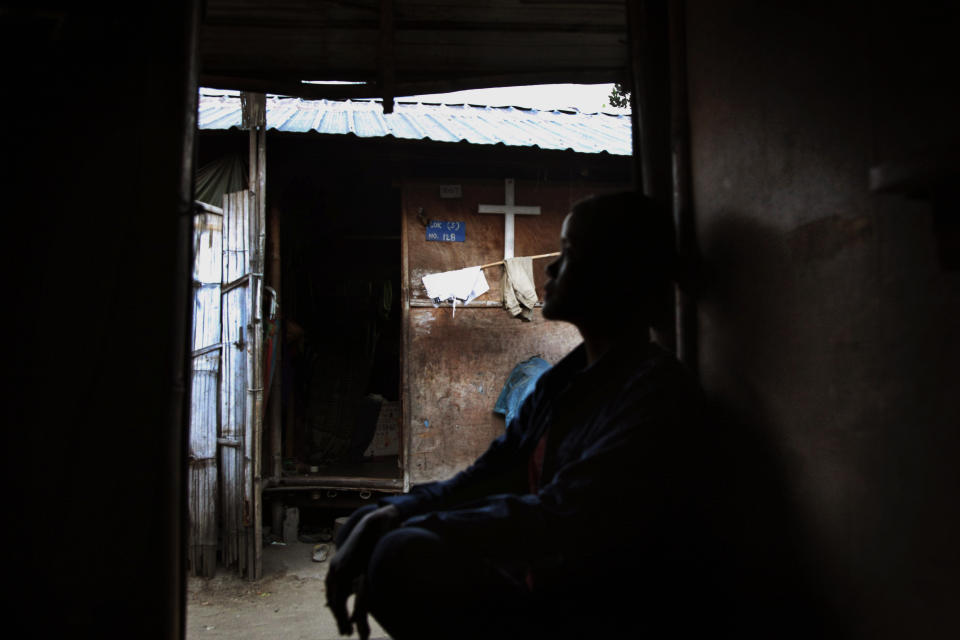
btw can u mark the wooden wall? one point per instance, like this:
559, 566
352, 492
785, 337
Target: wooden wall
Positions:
455, 365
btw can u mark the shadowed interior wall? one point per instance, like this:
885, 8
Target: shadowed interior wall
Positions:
827, 320
96, 184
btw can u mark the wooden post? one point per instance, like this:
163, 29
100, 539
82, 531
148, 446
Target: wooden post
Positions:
650, 95
684, 219
276, 385
261, 201
385, 56
254, 117
648, 26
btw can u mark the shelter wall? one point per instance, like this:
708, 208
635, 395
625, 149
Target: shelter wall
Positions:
457, 365
828, 323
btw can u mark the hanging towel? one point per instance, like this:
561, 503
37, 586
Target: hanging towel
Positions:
519, 294
462, 284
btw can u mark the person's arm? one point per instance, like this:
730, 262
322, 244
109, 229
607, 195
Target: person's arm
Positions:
501, 468
349, 563
639, 457
497, 470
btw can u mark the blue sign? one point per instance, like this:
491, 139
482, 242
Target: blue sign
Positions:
443, 231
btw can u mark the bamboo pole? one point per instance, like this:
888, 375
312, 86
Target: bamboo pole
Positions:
542, 255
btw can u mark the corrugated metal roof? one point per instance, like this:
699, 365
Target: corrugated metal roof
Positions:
475, 124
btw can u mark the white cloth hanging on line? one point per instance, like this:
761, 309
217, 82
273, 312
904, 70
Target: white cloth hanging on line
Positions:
463, 285
468, 283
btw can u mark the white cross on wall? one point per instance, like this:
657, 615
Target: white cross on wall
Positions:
508, 210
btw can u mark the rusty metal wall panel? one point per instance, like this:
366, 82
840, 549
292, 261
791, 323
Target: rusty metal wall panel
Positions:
455, 366
534, 234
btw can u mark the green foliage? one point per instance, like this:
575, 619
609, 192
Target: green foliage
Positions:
619, 96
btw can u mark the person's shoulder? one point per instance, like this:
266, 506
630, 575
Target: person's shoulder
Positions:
565, 369
660, 374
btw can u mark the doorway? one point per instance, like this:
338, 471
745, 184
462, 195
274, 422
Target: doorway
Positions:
341, 257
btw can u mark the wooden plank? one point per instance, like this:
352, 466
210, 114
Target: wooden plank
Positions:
277, 52
340, 482
452, 14
208, 208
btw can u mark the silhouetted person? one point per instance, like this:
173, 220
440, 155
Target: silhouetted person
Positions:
584, 517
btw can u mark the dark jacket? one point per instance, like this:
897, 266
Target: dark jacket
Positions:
616, 482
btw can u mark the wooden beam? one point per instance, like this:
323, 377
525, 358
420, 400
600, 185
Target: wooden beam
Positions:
648, 23
386, 54
407, 87
650, 95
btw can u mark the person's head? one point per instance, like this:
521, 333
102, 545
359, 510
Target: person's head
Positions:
616, 266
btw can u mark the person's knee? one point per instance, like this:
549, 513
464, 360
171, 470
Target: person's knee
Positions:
351, 523
403, 553
405, 560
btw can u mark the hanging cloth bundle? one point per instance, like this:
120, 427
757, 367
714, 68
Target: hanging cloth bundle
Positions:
519, 293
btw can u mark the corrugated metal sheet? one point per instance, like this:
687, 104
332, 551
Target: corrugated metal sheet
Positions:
474, 124
234, 425
241, 380
204, 394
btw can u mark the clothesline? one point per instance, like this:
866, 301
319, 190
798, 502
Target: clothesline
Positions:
542, 255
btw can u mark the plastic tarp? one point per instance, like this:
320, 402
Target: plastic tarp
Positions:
224, 175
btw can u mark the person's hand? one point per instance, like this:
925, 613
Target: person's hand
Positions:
350, 562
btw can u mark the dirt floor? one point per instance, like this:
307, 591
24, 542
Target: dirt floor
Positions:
287, 603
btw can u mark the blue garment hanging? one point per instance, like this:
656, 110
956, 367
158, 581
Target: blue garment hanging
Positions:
519, 385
